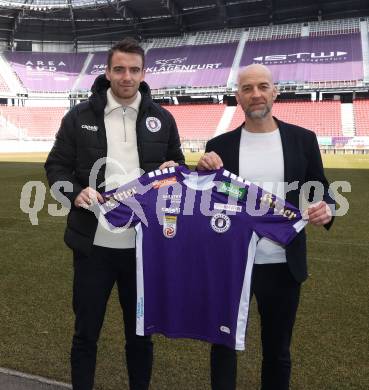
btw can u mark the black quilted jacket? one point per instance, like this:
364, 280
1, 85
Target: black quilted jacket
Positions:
81, 141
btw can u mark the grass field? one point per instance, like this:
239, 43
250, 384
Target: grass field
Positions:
344, 161
330, 345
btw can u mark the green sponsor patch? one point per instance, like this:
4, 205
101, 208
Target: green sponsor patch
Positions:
232, 190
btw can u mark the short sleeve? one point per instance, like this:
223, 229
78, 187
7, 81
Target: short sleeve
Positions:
125, 206
274, 218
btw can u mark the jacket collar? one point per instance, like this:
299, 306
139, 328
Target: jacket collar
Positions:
112, 103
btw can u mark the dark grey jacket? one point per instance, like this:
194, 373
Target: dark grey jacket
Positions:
81, 141
302, 163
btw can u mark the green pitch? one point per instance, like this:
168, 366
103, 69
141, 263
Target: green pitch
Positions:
360, 161
330, 342
345, 161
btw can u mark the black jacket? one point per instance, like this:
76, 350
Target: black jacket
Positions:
302, 163
81, 141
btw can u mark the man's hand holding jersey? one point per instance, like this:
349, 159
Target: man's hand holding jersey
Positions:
168, 164
318, 214
89, 196
209, 161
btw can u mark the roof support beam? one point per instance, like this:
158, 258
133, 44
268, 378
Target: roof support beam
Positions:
15, 25
129, 17
172, 7
222, 12
270, 6
73, 22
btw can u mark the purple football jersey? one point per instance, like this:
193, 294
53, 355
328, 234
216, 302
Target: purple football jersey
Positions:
195, 245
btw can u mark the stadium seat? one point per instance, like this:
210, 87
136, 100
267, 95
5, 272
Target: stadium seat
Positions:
197, 121
34, 122
324, 118
3, 85
361, 113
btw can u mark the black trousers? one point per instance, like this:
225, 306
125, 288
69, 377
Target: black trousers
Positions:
277, 295
94, 278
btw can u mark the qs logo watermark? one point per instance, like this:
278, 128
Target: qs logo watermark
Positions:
33, 195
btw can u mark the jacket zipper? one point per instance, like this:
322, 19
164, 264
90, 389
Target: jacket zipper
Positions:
124, 124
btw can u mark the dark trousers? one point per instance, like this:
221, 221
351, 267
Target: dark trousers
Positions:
94, 278
277, 295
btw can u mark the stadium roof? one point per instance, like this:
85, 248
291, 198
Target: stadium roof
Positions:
110, 20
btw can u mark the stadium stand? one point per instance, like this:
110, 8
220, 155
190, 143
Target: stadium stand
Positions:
8, 131
190, 66
203, 63
95, 66
324, 118
334, 27
33, 122
282, 31
3, 85
167, 42
361, 112
308, 59
217, 36
197, 121
209, 64
47, 72
198, 38
57, 72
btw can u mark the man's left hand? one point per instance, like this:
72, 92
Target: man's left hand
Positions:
319, 213
168, 164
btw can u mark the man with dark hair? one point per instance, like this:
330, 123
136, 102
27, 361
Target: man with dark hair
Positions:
128, 45
268, 151
122, 129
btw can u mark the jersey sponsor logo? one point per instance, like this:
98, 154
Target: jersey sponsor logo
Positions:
167, 61
98, 69
304, 57
232, 190
180, 66
121, 195
164, 182
277, 206
171, 210
227, 207
220, 223
153, 124
169, 226
90, 128
173, 197
225, 329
